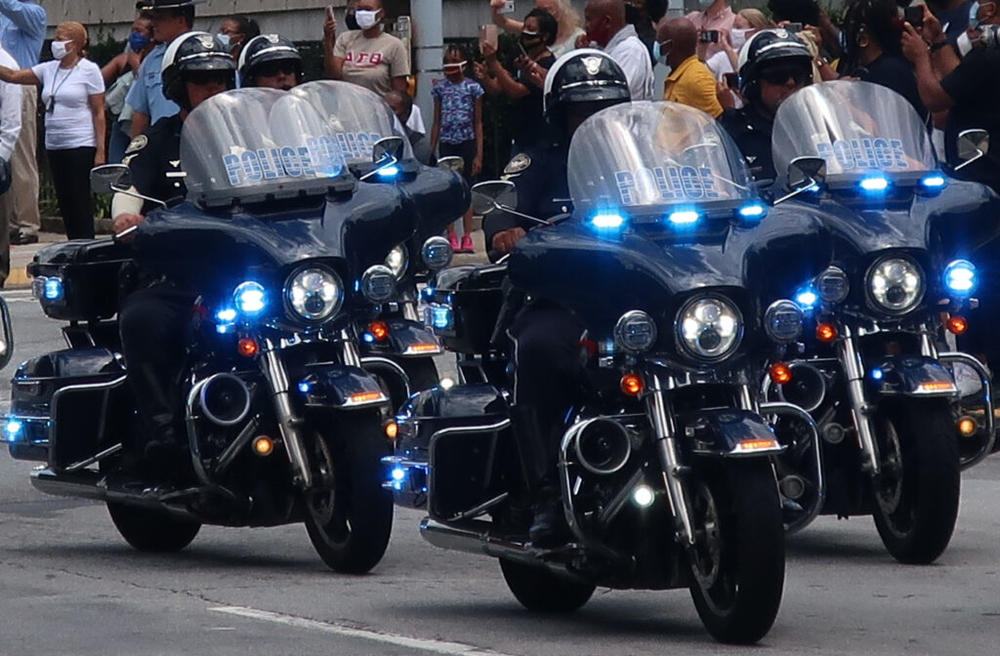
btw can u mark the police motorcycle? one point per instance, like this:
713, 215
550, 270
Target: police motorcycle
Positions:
876, 373
283, 422
666, 482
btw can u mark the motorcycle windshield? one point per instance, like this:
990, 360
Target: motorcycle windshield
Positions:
652, 158
252, 144
858, 128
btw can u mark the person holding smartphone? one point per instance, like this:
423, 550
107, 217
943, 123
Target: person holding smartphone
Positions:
367, 56
715, 16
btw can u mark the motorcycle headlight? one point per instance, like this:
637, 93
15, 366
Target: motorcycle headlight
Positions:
397, 260
436, 253
783, 321
709, 327
960, 277
896, 284
314, 294
378, 284
635, 331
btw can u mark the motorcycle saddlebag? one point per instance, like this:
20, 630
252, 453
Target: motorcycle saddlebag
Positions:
33, 388
79, 280
465, 305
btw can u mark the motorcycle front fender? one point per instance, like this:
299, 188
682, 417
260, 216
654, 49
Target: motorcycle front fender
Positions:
727, 433
911, 376
341, 387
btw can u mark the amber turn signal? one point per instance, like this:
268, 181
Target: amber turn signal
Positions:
780, 373
632, 384
957, 325
379, 330
826, 332
247, 347
967, 426
392, 430
263, 446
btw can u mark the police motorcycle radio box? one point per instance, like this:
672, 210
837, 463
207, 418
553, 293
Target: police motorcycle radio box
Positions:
281, 244
876, 371
681, 276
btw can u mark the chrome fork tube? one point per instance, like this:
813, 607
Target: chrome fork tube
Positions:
666, 446
860, 411
349, 350
928, 348
276, 376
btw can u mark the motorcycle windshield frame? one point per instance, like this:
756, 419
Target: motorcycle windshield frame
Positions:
858, 128
648, 159
254, 144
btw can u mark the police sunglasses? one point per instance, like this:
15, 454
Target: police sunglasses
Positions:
208, 77
271, 69
780, 74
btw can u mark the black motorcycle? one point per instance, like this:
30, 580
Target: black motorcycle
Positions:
284, 248
874, 376
664, 470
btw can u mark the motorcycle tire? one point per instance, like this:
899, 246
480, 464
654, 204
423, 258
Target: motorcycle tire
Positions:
917, 493
151, 531
349, 523
738, 560
542, 591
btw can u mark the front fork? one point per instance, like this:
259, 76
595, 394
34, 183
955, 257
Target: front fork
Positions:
666, 445
861, 411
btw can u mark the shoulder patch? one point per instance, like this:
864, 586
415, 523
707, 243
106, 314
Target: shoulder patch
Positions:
137, 144
517, 164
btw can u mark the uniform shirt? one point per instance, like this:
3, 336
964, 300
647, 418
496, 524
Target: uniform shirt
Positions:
751, 131
146, 95
692, 84
23, 31
66, 92
154, 159
10, 110
632, 55
721, 21
540, 174
372, 63
974, 86
458, 109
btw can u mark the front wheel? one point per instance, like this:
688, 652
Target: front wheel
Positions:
917, 491
152, 531
738, 559
543, 591
349, 514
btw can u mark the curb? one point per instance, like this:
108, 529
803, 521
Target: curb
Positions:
18, 279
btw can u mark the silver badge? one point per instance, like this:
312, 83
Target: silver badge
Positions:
273, 38
592, 64
517, 164
207, 41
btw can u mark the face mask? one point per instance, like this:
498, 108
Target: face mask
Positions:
351, 21
974, 20
530, 40
738, 37
137, 41
659, 54
964, 44
366, 19
455, 67
60, 48
227, 43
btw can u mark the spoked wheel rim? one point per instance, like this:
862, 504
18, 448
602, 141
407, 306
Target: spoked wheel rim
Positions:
322, 501
890, 483
707, 553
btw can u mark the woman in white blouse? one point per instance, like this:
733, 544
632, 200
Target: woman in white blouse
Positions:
73, 98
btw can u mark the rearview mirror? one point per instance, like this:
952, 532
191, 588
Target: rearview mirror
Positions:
804, 172
493, 195
972, 144
109, 178
6, 335
387, 150
452, 163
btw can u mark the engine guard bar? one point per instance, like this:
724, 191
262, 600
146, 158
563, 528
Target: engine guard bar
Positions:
788, 409
984, 377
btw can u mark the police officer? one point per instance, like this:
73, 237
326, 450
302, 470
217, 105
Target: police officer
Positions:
153, 318
579, 84
271, 61
774, 64
547, 353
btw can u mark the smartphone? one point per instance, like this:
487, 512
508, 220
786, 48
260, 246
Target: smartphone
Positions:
329, 12
488, 34
794, 27
521, 48
732, 80
508, 8
914, 15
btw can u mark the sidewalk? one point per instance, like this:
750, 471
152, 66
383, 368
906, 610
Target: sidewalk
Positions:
21, 256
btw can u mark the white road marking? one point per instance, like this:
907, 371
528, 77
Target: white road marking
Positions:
437, 646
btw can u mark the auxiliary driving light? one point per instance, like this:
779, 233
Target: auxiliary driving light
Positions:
643, 496
967, 426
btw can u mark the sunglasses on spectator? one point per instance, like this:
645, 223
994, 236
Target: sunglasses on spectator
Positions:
781, 74
271, 69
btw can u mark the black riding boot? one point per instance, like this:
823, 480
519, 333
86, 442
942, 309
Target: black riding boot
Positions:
538, 460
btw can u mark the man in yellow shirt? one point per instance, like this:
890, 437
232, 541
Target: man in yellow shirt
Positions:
690, 82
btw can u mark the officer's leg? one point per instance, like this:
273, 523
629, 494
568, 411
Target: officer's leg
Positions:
548, 370
153, 325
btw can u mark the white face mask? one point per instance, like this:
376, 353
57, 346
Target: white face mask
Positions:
224, 38
60, 48
738, 37
964, 44
366, 19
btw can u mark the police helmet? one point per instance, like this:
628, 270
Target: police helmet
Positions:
587, 79
268, 48
190, 53
768, 48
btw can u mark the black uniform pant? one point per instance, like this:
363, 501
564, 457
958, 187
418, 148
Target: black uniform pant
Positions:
154, 324
71, 179
548, 379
